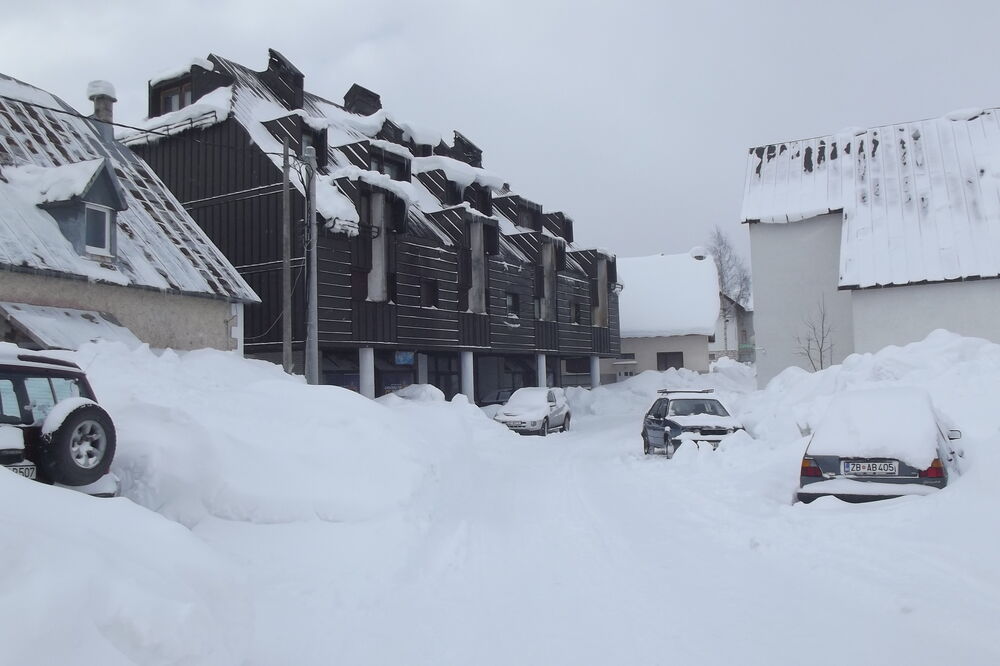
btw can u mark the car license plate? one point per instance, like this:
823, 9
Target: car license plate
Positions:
871, 468
25, 469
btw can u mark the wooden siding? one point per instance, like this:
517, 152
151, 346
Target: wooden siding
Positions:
216, 161
233, 191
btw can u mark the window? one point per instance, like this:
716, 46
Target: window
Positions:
41, 399
98, 230
667, 360
629, 356
576, 313
513, 304
9, 410
383, 163
685, 407
429, 293
711, 338
175, 98
577, 366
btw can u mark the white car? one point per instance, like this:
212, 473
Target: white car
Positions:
535, 410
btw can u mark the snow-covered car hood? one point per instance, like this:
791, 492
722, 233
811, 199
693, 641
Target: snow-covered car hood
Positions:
508, 414
705, 420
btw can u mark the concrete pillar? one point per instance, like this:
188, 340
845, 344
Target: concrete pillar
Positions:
595, 371
541, 372
366, 366
468, 376
422, 367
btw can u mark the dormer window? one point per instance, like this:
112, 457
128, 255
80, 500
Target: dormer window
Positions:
394, 166
175, 97
97, 232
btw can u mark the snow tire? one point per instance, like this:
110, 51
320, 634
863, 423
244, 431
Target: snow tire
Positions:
80, 450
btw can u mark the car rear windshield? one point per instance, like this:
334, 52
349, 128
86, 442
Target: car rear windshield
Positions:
27, 398
692, 407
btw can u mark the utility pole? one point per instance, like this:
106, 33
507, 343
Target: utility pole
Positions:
286, 264
312, 325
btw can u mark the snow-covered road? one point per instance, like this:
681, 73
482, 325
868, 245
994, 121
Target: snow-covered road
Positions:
285, 524
576, 548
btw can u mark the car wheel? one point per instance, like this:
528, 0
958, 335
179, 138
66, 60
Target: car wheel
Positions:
565, 425
645, 445
669, 450
544, 430
80, 450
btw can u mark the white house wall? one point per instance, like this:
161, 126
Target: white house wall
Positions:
795, 268
694, 348
158, 318
899, 315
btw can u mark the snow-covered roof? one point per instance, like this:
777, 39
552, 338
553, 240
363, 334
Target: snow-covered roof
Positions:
668, 294
349, 136
65, 328
920, 200
49, 154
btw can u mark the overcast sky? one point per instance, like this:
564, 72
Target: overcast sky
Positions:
632, 117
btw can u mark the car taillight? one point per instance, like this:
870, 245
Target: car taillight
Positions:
935, 471
810, 468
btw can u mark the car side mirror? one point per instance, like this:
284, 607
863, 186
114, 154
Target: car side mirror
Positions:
954, 434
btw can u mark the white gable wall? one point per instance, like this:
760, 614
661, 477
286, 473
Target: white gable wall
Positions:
694, 348
795, 266
900, 315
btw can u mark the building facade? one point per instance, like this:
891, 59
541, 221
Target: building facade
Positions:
431, 269
874, 237
93, 245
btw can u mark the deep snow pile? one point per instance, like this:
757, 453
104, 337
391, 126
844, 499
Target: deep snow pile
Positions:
637, 393
209, 433
90, 581
319, 527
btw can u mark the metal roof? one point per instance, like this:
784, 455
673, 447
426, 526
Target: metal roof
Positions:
920, 200
159, 245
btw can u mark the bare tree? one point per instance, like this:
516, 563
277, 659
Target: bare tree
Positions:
734, 276
816, 345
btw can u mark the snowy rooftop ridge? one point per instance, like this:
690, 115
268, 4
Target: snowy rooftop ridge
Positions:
668, 294
920, 200
159, 246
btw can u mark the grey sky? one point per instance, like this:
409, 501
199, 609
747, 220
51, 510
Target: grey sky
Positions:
633, 117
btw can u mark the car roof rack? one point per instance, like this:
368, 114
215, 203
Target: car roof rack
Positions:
708, 390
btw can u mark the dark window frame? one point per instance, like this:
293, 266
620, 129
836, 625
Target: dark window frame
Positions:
181, 90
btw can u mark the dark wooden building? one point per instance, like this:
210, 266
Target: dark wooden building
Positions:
430, 268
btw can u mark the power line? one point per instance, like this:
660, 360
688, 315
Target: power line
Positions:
142, 130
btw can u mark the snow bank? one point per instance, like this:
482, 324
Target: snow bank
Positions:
209, 433
107, 582
636, 394
959, 373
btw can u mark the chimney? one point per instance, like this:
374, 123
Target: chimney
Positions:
362, 101
102, 94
